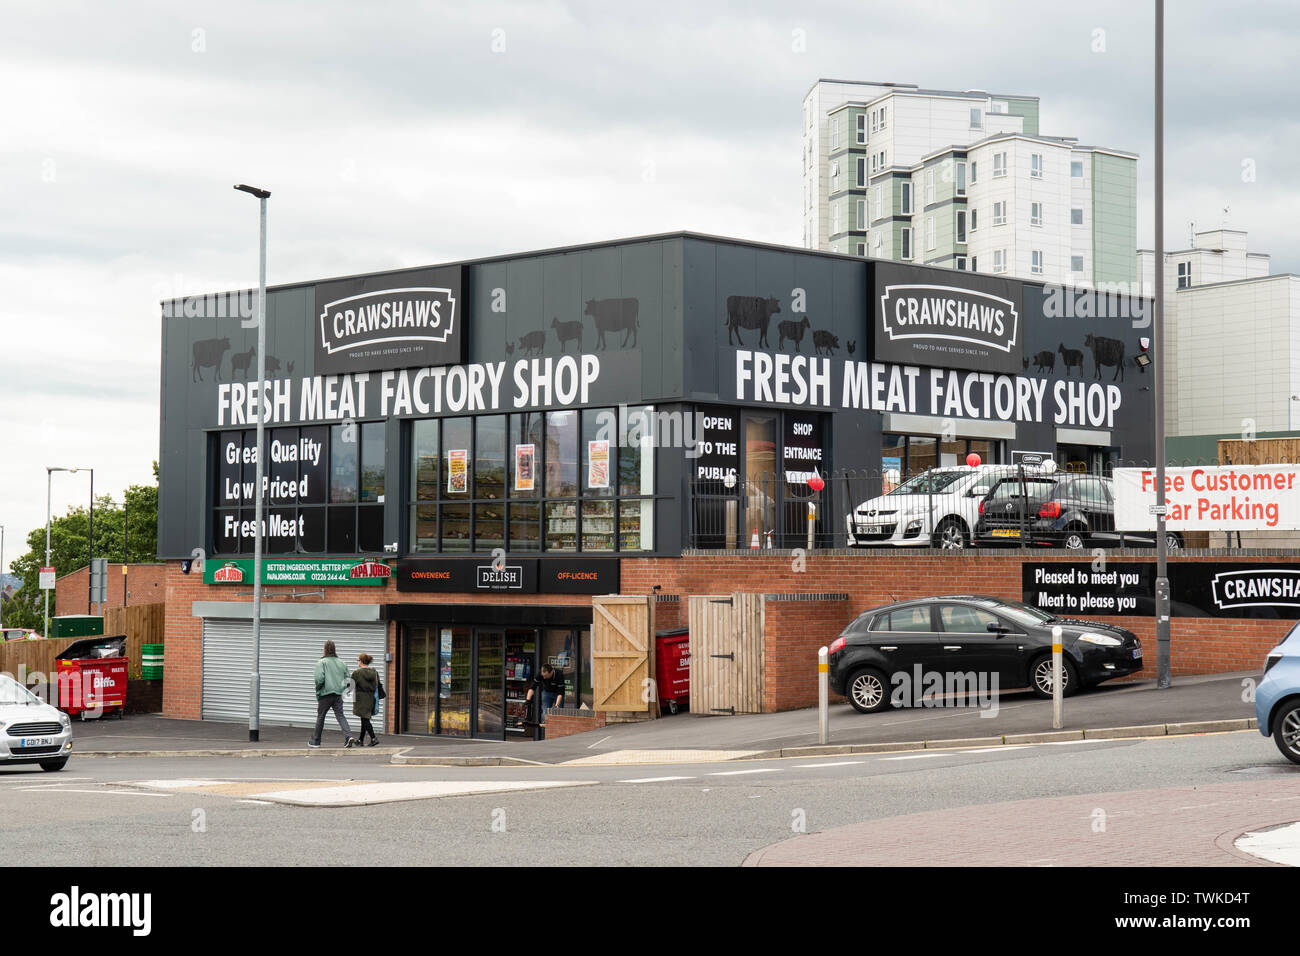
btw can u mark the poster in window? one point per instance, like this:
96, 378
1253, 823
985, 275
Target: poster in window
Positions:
598, 463
444, 665
525, 472
457, 471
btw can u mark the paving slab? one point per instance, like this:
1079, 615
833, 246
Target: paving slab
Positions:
1178, 826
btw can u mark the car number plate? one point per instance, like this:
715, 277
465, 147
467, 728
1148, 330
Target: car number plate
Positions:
1137, 653
1005, 533
35, 742
869, 529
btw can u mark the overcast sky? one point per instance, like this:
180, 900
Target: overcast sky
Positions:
402, 133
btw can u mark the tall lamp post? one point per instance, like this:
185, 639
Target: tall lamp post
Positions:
2, 571
90, 533
1163, 679
255, 678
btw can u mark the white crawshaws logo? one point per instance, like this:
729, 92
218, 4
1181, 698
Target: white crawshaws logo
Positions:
389, 316
1261, 587
942, 313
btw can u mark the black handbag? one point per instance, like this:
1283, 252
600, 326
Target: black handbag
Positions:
380, 694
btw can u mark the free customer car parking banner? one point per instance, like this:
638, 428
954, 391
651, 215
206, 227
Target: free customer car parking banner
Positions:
1211, 498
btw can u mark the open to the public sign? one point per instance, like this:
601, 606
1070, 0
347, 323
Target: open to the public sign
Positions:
228, 574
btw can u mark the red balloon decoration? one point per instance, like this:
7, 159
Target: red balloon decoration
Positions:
973, 460
816, 482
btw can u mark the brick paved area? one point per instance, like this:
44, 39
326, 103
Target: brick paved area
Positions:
1184, 826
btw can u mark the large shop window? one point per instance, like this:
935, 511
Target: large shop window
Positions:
560, 481
324, 488
903, 456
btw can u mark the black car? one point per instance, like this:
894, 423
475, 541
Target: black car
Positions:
973, 636
1065, 510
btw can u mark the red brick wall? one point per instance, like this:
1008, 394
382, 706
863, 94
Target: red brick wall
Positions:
182, 695
145, 584
562, 725
1199, 645
792, 633
794, 630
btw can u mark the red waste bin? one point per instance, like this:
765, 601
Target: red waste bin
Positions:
92, 677
673, 668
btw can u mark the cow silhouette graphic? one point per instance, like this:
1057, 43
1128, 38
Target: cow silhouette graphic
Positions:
750, 312
613, 315
1107, 352
208, 353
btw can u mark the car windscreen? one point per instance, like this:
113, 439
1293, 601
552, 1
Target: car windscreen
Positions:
12, 692
1021, 613
1013, 488
928, 482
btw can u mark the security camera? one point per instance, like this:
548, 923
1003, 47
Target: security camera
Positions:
391, 548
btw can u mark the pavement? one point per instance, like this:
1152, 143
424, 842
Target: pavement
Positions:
1219, 825
1135, 708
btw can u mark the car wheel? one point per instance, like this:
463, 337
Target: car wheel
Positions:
1040, 677
951, 535
1074, 539
1286, 731
54, 765
868, 691
1173, 541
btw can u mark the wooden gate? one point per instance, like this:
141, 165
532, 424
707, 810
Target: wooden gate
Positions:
622, 653
726, 654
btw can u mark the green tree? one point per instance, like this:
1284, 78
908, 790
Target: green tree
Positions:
69, 551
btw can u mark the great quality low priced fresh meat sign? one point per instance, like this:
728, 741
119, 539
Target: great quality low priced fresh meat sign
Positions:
1211, 498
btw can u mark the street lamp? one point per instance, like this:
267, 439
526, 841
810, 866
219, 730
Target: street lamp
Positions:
90, 533
2, 573
1163, 666
255, 678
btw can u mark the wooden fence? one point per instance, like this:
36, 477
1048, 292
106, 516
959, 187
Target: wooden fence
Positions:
142, 624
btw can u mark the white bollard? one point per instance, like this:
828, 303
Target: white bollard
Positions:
823, 696
1056, 678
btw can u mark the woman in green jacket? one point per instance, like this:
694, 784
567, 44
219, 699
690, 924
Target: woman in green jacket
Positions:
366, 681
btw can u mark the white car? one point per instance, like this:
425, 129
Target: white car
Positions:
32, 731
936, 509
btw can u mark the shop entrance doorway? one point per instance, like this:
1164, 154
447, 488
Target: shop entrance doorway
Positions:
473, 681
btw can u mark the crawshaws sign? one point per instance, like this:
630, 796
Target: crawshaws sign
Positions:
941, 324
416, 323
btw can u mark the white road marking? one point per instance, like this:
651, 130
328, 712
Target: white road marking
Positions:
265, 803
362, 794
1277, 845
911, 757
128, 793
599, 742
737, 773
987, 750
655, 779
833, 763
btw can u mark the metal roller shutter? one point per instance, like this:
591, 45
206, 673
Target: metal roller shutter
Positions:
290, 650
